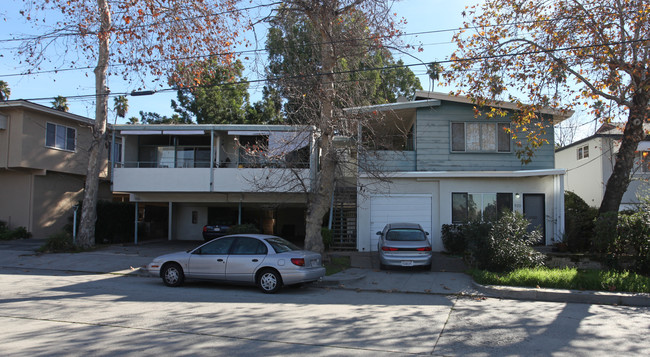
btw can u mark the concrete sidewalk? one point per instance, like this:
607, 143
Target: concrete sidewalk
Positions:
445, 278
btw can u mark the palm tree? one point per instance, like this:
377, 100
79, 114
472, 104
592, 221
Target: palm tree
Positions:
121, 106
5, 92
60, 103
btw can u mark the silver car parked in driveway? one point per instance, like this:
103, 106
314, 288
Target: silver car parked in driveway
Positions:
264, 260
404, 244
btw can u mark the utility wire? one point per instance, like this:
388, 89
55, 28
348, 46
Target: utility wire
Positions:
372, 69
135, 26
264, 49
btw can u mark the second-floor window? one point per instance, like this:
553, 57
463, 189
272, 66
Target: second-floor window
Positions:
582, 152
60, 137
115, 152
480, 137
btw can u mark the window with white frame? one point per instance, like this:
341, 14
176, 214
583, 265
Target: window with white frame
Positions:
582, 152
60, 137
468, 207
480, 137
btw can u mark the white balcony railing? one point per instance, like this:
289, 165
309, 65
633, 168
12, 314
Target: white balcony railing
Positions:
134, 179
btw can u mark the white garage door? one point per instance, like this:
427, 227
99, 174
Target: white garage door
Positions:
398, 208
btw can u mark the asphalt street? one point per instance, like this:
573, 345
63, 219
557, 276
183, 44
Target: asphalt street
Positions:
64, 313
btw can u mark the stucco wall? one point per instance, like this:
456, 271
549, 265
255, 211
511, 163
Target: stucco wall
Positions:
55, 194
584, 177
15, 193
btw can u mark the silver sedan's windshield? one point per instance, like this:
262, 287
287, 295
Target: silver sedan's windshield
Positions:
281, 245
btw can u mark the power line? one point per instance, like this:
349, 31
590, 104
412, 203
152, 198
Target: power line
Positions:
128, 28
353, 71
264, 49
198, 57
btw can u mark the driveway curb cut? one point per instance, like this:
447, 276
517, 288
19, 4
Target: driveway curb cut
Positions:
561, 295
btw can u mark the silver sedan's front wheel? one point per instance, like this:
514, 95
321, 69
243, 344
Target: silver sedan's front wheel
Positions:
269, 281
172, 275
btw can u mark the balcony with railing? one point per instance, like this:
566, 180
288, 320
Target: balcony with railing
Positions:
229, 164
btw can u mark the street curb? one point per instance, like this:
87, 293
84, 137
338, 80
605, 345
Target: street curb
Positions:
135, 272
562, 295
333, 280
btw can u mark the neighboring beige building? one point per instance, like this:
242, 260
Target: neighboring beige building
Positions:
43, 159
590, 162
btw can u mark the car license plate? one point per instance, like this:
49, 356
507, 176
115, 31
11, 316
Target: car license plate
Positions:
314, 263
407, 263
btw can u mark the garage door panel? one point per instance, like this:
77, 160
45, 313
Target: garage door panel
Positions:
404, 208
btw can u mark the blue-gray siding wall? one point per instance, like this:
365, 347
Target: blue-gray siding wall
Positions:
433, 144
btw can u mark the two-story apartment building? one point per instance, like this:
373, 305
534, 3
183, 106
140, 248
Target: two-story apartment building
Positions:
43, 162
193, 175
589, 163
456, 167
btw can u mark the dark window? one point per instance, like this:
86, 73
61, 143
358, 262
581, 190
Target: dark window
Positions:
480, 137
248, 246
60, 137
458, 136
583, 152
115, 152
503, 131
458, 207
479, 206
504, 203
219, 246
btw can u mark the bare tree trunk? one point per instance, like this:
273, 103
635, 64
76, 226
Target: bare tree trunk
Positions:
89, 210
320, 197
620, 179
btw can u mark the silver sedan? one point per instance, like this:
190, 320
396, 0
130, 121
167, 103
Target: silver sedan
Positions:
264, 260
404, 244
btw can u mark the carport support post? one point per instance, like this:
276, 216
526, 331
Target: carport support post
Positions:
169, 222
136, 224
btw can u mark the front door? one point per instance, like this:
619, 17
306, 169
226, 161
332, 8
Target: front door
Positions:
534, 212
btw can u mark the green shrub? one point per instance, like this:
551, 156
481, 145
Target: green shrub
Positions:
9, 234
453, 238
579, 222
605, 232
623, 240
247, 228
58, 242
326, 233
506, 247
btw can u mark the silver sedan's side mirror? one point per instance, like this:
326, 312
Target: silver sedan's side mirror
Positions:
378, 233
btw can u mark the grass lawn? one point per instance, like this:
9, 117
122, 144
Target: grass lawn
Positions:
568, 278
336, 264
